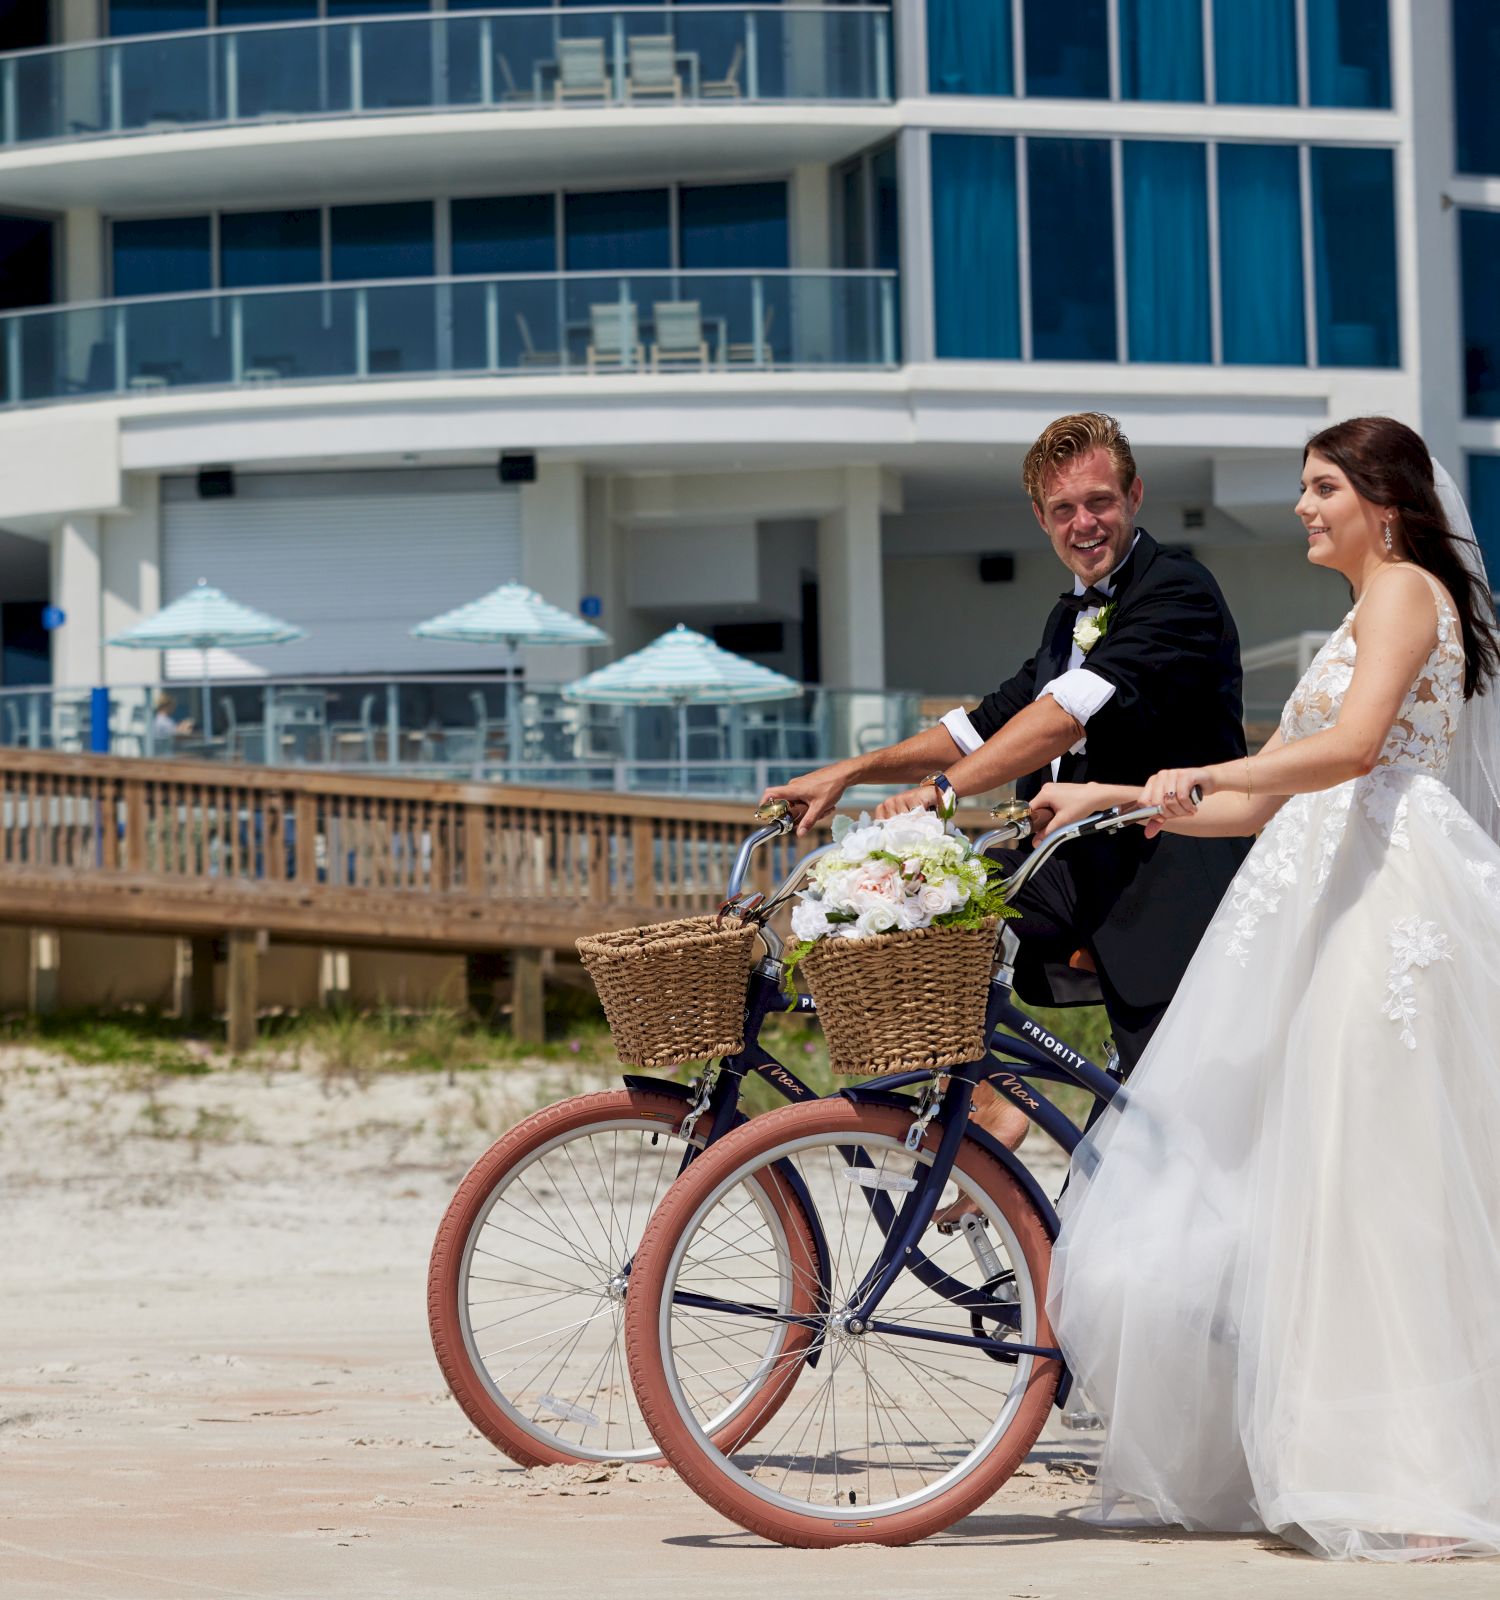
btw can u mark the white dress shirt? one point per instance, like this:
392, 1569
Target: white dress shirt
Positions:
1078, 691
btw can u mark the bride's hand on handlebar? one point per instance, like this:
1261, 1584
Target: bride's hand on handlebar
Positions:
812, 796
1171, 791
1057, 804
922, 798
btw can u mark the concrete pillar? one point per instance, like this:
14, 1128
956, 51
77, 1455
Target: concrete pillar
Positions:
194, 980
76, 20
130, 578
811, 218
527, 998
333, 979
243, 989
553, 528
77, 657
851, 620
83, 274
43, 965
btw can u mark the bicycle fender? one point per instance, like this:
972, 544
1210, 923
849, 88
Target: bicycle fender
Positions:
667, 1086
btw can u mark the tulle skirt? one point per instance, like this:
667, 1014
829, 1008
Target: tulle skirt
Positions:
1279, 1269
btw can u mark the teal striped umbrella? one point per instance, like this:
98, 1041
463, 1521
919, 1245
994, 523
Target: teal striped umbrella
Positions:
681, 668
206, 619
513, 615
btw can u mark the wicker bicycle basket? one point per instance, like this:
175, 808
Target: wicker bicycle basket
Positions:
901, 1001
673, 991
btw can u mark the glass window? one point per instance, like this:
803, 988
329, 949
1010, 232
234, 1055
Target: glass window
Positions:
1476, 68
1479, 244
128, 17
853, 217
1348, 53
161, 255
1067, 49
976, 295
887, 202
1166, 251
25, 262
1484, 508
1260, 255
733, 225
241, 13
624, 230
969, 47
1354, 231
511, 233
259, 247
386, 241
1161, 49
1255, 52
1072, 250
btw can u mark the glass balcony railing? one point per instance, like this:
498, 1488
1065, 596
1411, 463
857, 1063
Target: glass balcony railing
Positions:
578, 323
502, 60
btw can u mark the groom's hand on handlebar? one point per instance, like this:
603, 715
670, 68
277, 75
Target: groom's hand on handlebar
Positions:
814, 795
1055, 805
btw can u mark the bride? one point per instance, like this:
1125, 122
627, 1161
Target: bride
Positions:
1279, 1268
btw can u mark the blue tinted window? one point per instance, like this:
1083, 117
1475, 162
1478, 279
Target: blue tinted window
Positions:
25, 262
1348, 53
1260, 255
969, 47
1484, 508
388, 241
627, 230
1354, 229
974, 247
1476, 70
258, 247
156, 16
887, 193
1067, 49
161, 255
1161, 49
1479, 236
1166, 252
240, 13
511, 233
733, 225
1072, 250
1255, 52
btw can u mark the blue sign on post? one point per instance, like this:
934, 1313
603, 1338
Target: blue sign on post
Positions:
591, 606
99, 722
53, 617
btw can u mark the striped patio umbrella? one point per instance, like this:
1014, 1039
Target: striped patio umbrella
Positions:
512, 615
206, 619
681, 668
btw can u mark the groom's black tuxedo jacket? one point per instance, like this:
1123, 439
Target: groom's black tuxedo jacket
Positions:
1173, 655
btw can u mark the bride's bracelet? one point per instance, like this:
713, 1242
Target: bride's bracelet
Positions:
1247, 777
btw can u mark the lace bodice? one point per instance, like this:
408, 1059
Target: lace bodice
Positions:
1422, 734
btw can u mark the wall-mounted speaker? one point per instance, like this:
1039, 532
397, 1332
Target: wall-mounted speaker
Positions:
997, 569
517, 467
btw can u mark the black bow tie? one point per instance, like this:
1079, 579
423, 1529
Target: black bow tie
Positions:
1081, 602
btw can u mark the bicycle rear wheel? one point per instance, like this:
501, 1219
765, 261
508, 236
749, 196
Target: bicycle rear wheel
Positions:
897, 1429
530, 1272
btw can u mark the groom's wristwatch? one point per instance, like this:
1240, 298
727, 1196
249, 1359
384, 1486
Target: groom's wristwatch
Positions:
947, 794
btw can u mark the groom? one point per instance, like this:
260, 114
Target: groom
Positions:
1138, 669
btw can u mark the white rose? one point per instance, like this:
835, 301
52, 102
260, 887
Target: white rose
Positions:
876, 919
1087, 633
934, 899
809, 920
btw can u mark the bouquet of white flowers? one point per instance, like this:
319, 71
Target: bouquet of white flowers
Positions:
896, 876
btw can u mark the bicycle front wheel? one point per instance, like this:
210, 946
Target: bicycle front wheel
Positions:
892, 1430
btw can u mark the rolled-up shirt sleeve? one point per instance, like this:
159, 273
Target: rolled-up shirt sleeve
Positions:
1080, 693
963, 732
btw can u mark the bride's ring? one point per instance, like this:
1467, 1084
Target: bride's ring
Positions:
1171, 794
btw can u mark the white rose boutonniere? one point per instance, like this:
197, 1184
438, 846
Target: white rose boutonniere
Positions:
1088, 631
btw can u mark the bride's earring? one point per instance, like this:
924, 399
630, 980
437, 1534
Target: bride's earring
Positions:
1390, 544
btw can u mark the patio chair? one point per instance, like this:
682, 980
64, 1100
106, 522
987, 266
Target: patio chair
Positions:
509, 89
727, 87
580, 70
652, 68
243, 741
469, 745
679, 340
301, 722
355, 741
530, 355
15, 732
615, 337
743, 354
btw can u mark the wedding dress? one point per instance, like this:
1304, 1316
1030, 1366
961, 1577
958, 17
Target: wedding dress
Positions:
1279, 1268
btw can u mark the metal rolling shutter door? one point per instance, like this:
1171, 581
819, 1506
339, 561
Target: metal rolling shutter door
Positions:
352, 562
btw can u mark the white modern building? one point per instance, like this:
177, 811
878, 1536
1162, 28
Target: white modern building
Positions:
736, 314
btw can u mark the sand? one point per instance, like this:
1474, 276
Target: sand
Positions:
215, 1380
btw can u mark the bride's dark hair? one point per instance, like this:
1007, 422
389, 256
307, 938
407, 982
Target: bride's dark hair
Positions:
1388, 464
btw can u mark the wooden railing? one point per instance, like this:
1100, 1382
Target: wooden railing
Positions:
193, 847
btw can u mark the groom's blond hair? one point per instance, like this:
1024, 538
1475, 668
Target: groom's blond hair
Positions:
1070, 437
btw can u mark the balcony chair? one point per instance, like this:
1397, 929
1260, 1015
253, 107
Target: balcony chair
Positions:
679, 340
727, 87
99, 376
15, 730
615, 337
580, 70
301, 721
243, 741
355, 741
510, 90
742, 354
469, 746
653, 70
530, 355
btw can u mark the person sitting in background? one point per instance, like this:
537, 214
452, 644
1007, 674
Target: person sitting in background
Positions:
165, 728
